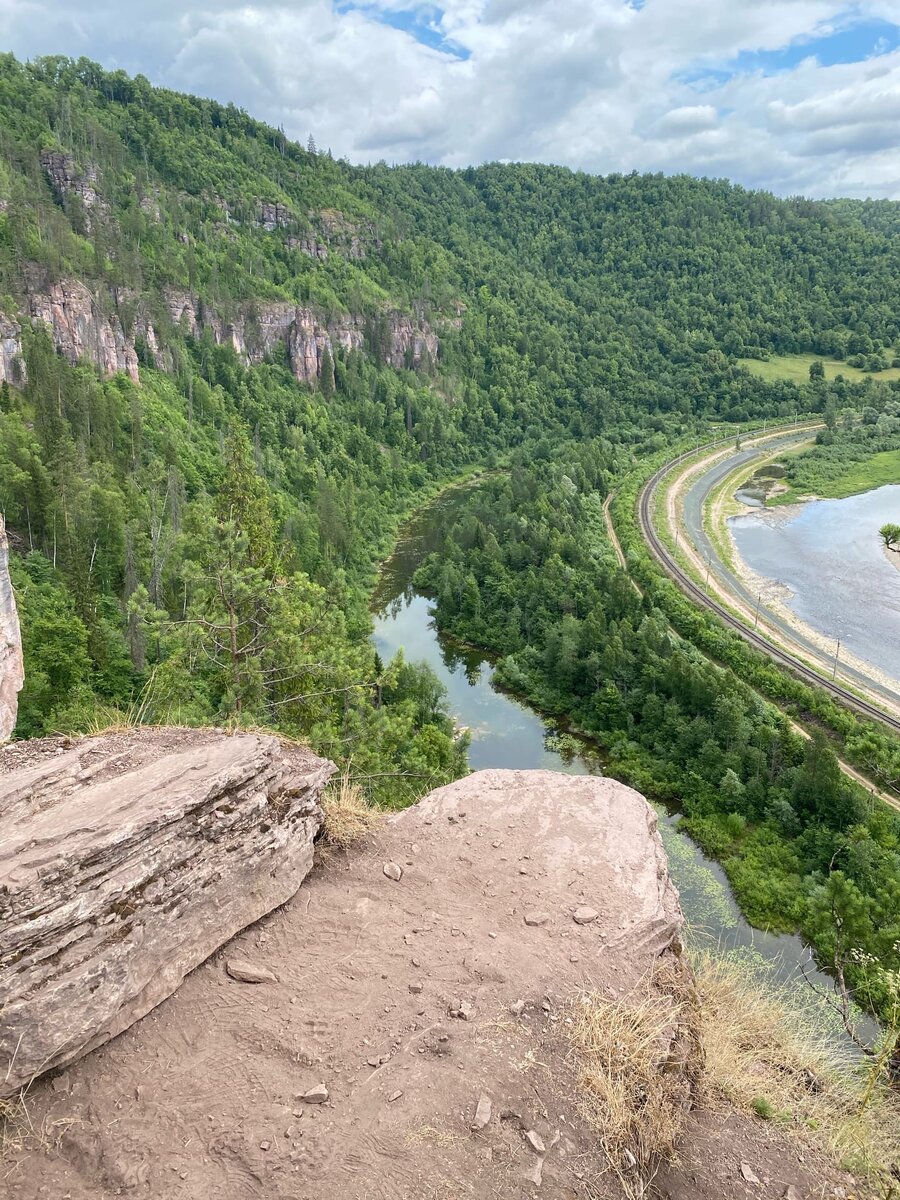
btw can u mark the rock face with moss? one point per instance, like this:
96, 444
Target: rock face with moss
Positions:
125, 861
12, 668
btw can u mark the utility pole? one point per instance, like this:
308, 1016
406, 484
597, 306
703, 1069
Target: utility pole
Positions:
836, 654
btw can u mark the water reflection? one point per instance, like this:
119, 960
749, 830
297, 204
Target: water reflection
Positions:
830, 556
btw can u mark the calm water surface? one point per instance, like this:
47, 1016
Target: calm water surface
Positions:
507, 733
830, 556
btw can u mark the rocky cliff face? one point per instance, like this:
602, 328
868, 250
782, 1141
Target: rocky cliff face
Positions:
67, 180
85, 329
256, 333
12, 365
125, 861
12, 667
81, 330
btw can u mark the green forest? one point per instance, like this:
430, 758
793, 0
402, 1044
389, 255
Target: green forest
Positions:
198, 544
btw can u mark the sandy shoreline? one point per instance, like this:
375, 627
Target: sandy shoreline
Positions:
776, 594
773, 593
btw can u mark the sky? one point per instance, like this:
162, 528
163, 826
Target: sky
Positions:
794, 96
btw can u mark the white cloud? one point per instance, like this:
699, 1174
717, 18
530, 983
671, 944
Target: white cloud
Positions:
601, 85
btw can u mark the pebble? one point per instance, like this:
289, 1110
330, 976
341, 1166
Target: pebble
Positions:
415, 988
315, 1095
748, 1173
393, 871
532, 917
394, 1096
517, 1008
482, 1112
535, 1141
248, 972
584, 915
264, 1145
791, 1193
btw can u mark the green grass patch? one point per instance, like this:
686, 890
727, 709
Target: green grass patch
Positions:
862, 476
795, 367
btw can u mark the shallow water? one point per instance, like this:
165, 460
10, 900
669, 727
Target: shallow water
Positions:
829, 554
506, 733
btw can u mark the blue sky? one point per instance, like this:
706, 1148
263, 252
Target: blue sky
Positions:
796, 96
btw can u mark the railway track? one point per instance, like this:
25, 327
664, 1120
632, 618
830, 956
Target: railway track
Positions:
691, 588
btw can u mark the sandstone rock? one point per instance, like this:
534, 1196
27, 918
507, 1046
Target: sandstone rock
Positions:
584, 915
12, 668
535, 917
748, 1173
248, 972
393, 871
344, 954
482, 1112
535, 1141
315, 1095
125, 861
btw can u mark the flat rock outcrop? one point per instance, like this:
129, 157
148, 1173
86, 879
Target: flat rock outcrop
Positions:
12, 667
125, 861
399, 1029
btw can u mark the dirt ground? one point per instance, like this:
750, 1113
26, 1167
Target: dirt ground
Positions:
410, 1000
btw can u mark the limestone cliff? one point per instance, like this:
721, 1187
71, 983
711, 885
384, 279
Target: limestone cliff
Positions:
12, 668
88, 326
69, 180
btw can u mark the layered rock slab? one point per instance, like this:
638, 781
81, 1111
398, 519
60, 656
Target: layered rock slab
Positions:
125, 861
12, 666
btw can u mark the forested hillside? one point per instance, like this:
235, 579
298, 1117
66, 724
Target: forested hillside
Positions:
229, 363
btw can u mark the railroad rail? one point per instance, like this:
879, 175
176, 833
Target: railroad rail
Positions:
696, 593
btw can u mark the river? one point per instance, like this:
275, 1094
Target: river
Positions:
828, 553
507, 733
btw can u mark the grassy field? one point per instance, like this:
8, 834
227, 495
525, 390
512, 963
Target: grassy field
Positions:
864, 476
796, 368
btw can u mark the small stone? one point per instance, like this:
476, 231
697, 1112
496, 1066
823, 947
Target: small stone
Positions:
791, 1193
535, 1141
536, 1174
466, 1012
264, 1145
393, 871
374, 1061
248, 972
315, 1095
482, 1112
517, 1008
533, 917
395, 1096
583, 915
415, 988
748, 1173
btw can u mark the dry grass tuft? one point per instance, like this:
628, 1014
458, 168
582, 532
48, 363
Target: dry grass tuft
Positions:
634, 1059
15, 1126
348, 814
770, 1059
